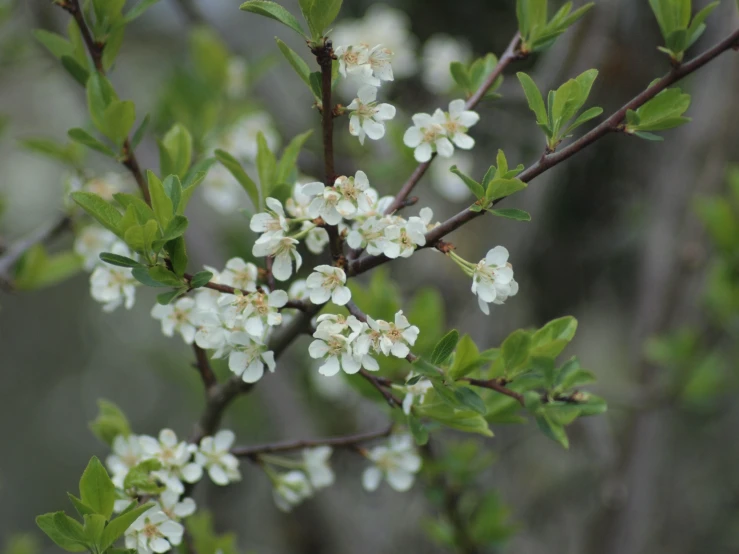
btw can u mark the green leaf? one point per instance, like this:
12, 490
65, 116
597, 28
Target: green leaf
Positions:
83, 137
100, 95
99, 209
56, 44
465, 358
141, 209
142, 276
38, 269
468, 421
141, 237
178, 143
648, 136
553, 430
473, 185
571, 375
177, 255
138, 10
533, 96
77, 71
266, 165
93, 528
584, 117
426, 369
115, 529
82, 508
697, 26
469, 398
419, 432
319, 14
176, 228
73, 542
445, 348
512, 213
160, 202
289, 158
119, 118
139, 133
200, 279
515, 349
460, 75
502, 188
553, 337
140, 479
121, 261
109, 423
69, 153
96, 489
167, 297
164, 276
295, 61
273, 11
234, 167
662, 112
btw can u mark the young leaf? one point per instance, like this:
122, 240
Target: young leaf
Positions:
83, 137
56, 44
465, 358
99, 209
110, 422
460, 75
419, 432
473, 185
115, 529
137, 11
290, 157
121, 261
553, 337
77, 71
469, 398
554, 431
273, 11
501, 188
167, 297
176, 228
119, 118
534, 97
160, 202
445, 348
200, 279
234, 167
266, 165
96, 489
515, 349
177, 255
60, 535
512, 213
178, 143
140, 132
164, 276
297, 63
319, 14
173, 190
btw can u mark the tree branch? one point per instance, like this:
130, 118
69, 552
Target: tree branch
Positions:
348, 441
203, 366
613, 123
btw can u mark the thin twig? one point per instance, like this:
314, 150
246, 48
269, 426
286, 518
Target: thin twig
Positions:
347, 441
382, 385
497, 386
612, 124
203, 366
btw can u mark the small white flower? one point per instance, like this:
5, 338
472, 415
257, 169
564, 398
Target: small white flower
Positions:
324, 203
398, 463
272, 222
92, 241
297, 205
175, 459
316, 239
249, 357
380, 60
290, 489
370, 235
327, 282
458, 121
214, 456
354, 195
284, 250
241, 139
153, 531
354, 62
402, 240
175, 509
416, 391
336, 351
113, 285
107, 185
240, 275
317, 467
255, 310
492, 279
428, 135
367, 119
390, 338
426, 215
212, 332
127, 453
177, 316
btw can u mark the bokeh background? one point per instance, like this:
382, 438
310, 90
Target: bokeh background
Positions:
614, 241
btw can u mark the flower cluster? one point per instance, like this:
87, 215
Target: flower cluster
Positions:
398, 463
347, 343
306, 477
370, 66
174, 463
492, 277
440, 132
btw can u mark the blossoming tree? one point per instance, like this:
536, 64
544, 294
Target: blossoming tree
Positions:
248, 314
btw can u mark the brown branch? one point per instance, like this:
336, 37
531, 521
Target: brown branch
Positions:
96, 49
511, 53
382, 385
613, 123
348, 441
497, 386
203, 366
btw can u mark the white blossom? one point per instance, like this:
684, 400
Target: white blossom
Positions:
355, 197
492, 279
367, 117
428, 135
380, 59
284, 250
212, 333
92, 241
271, 223
174, 457
240, 140
324, 202
169, 502
177, 316
389, 338
248, 357
255, 310
290, 489
328, 282
126, 454
354, 62
240, 275
214, 456
114, 285
416, 391
153, 531
458, 121
317, 467
398, 462
370, 235
106, 186
316, 238
402, 240
336, 351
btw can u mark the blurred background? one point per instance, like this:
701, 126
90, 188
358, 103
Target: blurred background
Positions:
615, 240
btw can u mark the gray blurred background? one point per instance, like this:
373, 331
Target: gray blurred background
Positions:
613, 241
